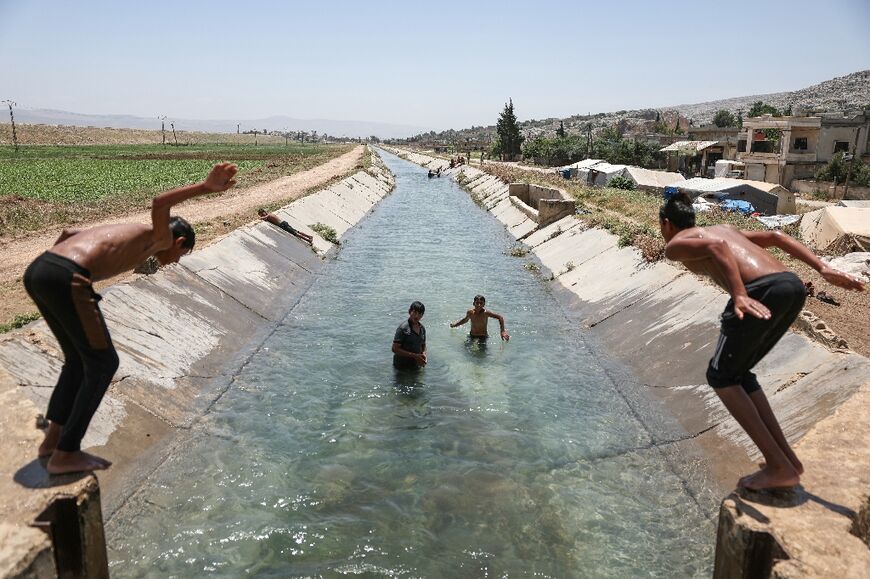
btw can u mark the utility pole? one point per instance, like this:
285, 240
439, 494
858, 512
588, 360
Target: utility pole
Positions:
12, 117
174, 136
238, 128
163, 128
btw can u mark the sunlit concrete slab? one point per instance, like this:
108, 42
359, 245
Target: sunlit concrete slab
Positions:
250, 272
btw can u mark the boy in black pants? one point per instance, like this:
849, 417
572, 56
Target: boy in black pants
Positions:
772, 296
60, 282
269, 218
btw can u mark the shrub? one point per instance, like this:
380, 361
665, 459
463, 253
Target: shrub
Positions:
620, 182
519, 251
19, 321
326, 232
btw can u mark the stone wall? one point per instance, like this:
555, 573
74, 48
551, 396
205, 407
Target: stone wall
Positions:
181, 334
835, 192
662, 321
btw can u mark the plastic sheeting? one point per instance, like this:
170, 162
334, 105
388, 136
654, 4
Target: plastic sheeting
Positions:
774, 221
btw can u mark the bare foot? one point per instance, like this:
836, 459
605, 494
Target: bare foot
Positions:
49, 443
798, 465
769, 478
62, 462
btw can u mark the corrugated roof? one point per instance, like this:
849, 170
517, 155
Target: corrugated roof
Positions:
688, 146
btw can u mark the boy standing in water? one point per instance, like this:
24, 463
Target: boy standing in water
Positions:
409, 341
479, 317
765, 299
60, 282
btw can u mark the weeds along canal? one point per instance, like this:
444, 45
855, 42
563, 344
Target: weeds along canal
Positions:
497, 460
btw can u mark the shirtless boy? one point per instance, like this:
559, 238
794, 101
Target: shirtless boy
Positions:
60, 282
269, 218
479, 317
765, 299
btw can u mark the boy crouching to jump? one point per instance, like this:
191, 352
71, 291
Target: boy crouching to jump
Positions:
765, 300
60, 282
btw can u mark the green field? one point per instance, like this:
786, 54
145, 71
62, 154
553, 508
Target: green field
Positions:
43, 185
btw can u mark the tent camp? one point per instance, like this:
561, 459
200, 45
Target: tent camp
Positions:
650, 180
763, 196
837, 225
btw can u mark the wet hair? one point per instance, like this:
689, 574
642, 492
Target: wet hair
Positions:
679, 211
181, 228
417, 307
479, 298
260, 211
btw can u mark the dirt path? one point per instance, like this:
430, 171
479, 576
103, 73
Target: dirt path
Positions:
17, 253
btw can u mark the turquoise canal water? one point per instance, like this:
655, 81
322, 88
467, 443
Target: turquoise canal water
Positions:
519, 459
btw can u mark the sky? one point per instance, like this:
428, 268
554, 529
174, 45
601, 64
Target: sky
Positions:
440, 65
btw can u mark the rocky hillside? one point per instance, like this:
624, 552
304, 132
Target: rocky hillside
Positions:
846, 92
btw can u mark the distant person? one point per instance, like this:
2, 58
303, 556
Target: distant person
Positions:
479, 317
60, 282
438, 172
409, 342
765, 299
431, 173
452, 162
270, 218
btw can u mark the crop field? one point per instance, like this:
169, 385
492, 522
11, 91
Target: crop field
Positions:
43, 185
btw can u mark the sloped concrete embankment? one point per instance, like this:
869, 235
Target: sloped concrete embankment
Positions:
181, 334
662, 322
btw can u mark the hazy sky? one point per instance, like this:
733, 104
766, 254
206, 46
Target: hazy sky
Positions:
441, 65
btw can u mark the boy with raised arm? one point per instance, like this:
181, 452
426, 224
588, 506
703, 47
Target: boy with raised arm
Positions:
765, 300
60, 282
479, 317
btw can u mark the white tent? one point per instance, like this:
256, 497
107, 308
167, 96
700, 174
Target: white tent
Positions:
826, 226
601, 173
650, 180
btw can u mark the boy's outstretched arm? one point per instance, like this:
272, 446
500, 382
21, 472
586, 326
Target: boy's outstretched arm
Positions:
219, 179
460, 322
696, 248
798, 250
504, 335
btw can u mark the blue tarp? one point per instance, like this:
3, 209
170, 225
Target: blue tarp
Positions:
736, 206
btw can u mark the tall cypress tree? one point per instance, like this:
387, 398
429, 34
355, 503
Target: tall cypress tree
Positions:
560, 132
508, 131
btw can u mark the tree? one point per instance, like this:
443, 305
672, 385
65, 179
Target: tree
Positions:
509, 138
724, 118
759, 108
560, 132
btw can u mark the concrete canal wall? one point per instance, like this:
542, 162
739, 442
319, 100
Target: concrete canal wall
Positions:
181, 335
662, 322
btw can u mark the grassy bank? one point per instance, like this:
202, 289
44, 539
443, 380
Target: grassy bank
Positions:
631, 215
46, 185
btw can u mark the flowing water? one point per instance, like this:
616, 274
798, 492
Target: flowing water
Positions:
519, 459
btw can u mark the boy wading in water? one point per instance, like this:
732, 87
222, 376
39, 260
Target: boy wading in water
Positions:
409, 341
60, 282
479, 317
765, 299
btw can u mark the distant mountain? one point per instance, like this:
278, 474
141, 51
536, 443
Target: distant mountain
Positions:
275, 123
850, 92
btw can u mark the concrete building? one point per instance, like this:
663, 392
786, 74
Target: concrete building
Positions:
780, 149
